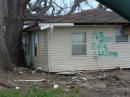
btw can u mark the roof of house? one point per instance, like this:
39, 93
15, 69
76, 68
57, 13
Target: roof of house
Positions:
94, 16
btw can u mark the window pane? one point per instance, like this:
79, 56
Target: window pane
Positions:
121, 38
35, 51
35, 44
120, 35
79, 43
79, 37
120, 31
36, 39
25, 45
79, 49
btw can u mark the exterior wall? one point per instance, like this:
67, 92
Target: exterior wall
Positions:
41, 60
60, 50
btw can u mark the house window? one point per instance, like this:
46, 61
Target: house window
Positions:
79, 43
35, 44
121, 36
25, 44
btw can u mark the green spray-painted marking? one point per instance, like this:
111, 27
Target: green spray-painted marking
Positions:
108, 53
100, 44
100, 37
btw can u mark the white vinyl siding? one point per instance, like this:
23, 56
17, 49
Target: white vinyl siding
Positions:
60, 56
41, 60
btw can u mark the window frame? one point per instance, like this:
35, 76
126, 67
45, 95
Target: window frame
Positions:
35, 44
120, 32
79, 43
25, 44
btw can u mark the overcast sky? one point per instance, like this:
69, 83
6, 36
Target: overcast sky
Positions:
93, 3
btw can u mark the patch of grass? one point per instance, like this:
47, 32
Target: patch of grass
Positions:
37, 93
11, 93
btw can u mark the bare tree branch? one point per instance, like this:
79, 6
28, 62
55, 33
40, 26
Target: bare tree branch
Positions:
101, 6
75, 5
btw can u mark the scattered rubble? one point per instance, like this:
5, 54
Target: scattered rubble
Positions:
38, 68
98, 81
56, 86
21, 70
30, 80
2, 88
17, 88
5, 85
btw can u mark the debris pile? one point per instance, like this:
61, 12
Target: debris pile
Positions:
86, 81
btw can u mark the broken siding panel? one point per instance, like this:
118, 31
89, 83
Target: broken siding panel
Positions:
60, 50
42, 59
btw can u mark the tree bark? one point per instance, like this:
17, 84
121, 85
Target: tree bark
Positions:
15, 22
14, 26
5, 61
11, 23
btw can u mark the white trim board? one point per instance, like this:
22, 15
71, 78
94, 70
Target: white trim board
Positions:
52, 25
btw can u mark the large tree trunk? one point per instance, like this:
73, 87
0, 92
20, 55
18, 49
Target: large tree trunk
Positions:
5, 61
14, 28
11, 23
15, 22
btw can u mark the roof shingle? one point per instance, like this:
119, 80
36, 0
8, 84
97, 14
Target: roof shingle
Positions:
90, 16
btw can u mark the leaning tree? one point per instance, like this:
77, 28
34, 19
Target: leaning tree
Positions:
13, 14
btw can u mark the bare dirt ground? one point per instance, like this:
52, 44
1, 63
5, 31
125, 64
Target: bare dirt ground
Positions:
107, 83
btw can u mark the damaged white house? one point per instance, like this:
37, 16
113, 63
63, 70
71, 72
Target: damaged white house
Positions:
89, 40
